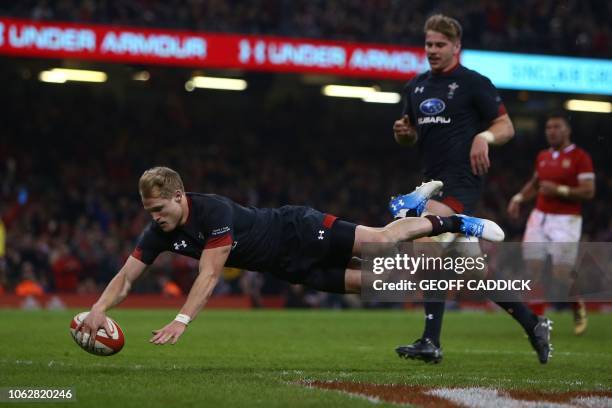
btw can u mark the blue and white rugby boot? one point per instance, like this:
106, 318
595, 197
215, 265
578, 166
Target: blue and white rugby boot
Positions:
413, 204
481, 228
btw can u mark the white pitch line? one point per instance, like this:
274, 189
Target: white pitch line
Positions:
477, 397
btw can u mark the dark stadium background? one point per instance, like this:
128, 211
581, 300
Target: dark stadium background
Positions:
78, 149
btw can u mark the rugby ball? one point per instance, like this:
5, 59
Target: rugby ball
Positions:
106, 343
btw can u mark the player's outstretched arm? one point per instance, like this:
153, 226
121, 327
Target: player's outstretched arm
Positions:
211, 266
527, 193
115, 292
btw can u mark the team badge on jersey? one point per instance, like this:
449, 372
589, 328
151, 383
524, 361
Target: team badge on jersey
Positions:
432, 106
451, 90
566, 163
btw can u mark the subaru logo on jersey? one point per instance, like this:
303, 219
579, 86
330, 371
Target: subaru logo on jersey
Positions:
432, 106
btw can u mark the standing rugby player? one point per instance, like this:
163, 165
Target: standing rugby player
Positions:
562, 180
453, 114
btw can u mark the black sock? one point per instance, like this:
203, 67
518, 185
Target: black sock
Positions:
411, 213
521, 314
440, 225
434, 312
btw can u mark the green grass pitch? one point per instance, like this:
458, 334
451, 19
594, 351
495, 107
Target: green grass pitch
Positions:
257, 358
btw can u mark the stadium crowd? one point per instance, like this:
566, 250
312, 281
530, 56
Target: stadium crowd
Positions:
570, 27
71, 158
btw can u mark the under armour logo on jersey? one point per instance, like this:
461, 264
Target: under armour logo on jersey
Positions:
321, 232
419, 89
451, 90
200, 235
178, 245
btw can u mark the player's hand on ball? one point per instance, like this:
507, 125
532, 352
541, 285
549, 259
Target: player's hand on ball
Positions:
95, 320
548, 188
171, 332
479, 156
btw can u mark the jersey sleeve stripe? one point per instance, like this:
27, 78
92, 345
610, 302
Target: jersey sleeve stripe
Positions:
219, 241
137, 253
586, 176
329, 220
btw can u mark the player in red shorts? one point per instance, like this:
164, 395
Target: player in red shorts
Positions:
562, 180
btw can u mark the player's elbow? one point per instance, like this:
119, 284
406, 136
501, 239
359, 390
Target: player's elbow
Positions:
126, 284
125, 290
211, 273
504, 129
509, 131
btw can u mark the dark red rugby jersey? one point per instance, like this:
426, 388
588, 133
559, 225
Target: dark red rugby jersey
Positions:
566, 167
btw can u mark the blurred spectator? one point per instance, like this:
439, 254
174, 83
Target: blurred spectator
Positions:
3, 278
29, 284
67, 269
2, 240
251, 284
169, 288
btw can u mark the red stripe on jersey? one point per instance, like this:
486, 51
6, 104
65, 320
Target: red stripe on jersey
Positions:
453, 203
501, 110
329, 220
217, 242
137, 253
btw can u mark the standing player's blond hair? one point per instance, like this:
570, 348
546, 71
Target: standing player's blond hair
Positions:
445, 25
159, 182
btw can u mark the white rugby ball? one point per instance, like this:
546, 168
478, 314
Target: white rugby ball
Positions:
106, 343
